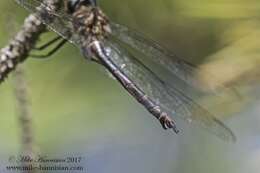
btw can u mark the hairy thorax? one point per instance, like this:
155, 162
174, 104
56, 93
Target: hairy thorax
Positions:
91, 24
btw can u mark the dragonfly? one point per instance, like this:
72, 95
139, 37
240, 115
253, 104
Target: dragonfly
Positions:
84, 24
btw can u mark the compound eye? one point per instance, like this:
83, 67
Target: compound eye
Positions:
94, 2
90, 2
71, 5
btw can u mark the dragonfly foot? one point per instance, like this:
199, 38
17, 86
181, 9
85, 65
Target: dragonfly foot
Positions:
168, 123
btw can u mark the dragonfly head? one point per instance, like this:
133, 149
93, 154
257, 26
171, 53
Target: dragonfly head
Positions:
72, 5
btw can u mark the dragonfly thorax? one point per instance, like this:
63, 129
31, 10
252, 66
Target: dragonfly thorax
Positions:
90, 23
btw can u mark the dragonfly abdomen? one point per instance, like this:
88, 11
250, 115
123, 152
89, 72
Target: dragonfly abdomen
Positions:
98, 51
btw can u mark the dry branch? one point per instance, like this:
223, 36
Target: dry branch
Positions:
19, 47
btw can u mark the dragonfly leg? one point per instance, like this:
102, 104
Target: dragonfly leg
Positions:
49, 43
46, 45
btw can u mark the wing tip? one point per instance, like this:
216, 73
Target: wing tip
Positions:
228, 134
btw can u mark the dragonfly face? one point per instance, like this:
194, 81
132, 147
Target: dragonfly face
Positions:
72, 5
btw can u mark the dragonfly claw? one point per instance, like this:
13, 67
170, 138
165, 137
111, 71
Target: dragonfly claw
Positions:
168, 123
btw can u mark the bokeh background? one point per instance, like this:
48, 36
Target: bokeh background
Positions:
79, 111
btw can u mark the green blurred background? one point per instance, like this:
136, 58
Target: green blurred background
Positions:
78, 110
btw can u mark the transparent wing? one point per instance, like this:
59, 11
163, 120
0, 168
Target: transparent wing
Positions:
61, 23
168, 96
172, 100
156, 53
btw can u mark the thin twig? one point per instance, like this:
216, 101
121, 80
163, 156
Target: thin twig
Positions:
19, 47
23, 108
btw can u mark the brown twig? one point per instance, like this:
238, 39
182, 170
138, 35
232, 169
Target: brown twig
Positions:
19, 47
24, 114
